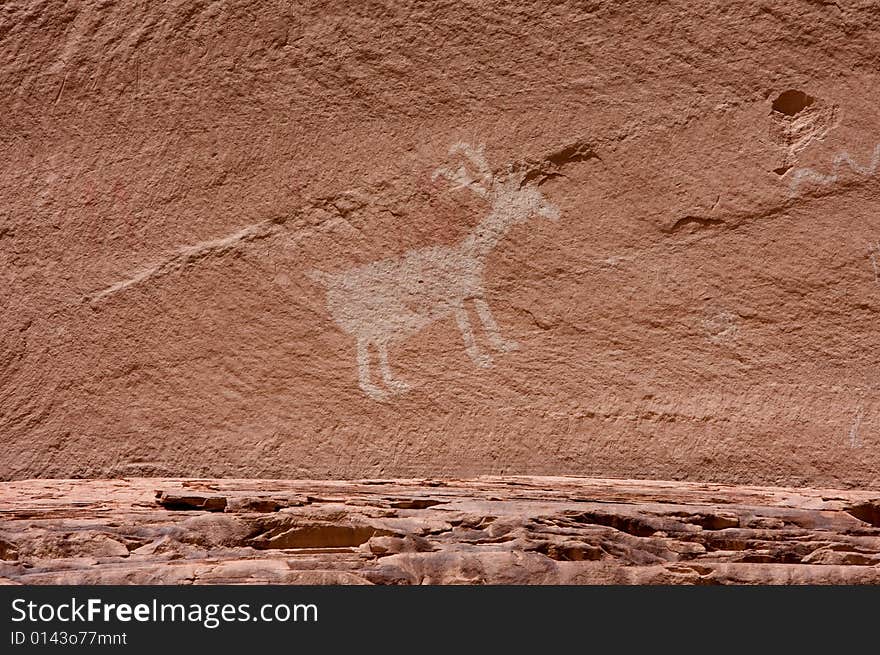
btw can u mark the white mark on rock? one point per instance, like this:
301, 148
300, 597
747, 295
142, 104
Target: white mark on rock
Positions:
190, 254
613, 261
722, 327
872, 255
843, 159
388, 300
854, 441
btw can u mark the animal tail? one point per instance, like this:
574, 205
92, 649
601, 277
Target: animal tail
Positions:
321, 277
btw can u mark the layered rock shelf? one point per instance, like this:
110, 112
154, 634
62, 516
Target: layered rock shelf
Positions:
488, 530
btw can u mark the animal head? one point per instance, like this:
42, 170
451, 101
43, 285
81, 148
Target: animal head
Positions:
521, 200
509, 194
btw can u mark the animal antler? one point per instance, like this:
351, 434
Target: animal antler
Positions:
461, 177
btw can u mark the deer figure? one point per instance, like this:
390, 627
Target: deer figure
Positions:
390, 299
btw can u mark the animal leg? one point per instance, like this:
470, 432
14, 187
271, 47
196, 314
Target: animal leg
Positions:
398, 385
491, 327
464, 325
363, 361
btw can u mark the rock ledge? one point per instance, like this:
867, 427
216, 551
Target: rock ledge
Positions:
489, 530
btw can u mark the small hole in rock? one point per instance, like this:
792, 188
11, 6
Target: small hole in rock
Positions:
792, 102
782, 170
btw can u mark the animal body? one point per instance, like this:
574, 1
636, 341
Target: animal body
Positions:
390, 299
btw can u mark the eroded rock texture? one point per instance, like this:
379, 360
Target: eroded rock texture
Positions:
234, 240
522, 530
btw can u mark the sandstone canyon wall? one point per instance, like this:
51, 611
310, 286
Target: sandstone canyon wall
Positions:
262, 239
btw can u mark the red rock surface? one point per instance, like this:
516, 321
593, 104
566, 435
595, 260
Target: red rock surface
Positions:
705, 306
489, 530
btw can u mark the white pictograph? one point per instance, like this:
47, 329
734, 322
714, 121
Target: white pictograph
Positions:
801, 175
721, 327
854, 441
388, 300
873, 249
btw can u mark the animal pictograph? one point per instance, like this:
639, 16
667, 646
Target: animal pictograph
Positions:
389, 300
843, 159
